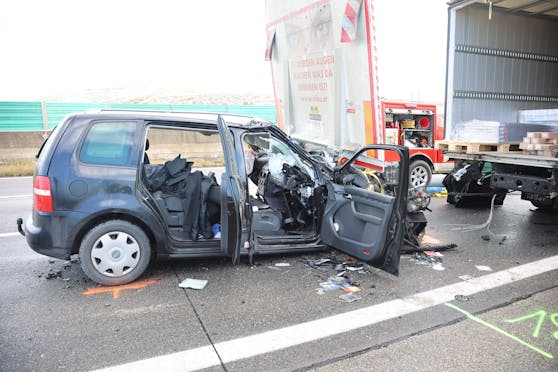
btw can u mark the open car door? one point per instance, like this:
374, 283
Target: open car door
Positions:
367, 225
232, 197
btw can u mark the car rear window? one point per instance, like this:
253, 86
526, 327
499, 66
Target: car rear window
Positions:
110, 143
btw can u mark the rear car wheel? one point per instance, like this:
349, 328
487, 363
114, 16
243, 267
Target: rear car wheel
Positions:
420, 173
115, 252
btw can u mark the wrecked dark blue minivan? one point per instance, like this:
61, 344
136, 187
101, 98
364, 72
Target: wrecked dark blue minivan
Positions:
122, 187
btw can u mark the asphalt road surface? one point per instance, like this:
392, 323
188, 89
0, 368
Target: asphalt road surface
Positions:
488, 305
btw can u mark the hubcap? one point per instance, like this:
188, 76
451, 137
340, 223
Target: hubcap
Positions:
115, 254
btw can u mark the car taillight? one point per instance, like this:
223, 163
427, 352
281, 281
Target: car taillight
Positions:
42, 196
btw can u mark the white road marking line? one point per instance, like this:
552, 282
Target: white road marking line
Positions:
266, 342
16, 196
5, 235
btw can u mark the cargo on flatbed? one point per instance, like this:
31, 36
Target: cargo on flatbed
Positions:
474, 148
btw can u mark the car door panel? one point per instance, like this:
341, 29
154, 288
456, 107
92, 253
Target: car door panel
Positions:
366, 224
357, 217
232, 194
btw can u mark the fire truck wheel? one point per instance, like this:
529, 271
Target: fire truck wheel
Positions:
420, 173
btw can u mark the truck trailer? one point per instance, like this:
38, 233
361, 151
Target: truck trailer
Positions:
502, 71
323, 56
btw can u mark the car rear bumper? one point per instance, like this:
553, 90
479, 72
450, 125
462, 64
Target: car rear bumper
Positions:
42, 241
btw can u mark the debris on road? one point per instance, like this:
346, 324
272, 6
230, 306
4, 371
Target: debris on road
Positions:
351, 288
430, 258
483, 268
350, 297
342, 279
461, 298
53, 274
282, 264
321, 261
433, 254
413, 248
355, 268
466, 277
329, 286
193, 283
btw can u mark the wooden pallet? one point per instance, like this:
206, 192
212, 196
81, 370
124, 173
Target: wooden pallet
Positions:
474, 148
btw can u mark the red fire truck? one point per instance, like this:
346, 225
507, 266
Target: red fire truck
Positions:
417, 126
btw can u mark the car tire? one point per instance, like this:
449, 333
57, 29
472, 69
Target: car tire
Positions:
115, 252
420, 174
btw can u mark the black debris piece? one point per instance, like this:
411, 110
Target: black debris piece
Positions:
53, 274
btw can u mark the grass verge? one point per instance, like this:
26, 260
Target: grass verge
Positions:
17, 167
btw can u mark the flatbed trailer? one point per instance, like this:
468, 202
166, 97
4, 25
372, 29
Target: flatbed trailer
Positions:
502, 61
536, 177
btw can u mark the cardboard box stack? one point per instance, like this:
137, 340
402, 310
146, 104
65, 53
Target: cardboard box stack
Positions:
540, 143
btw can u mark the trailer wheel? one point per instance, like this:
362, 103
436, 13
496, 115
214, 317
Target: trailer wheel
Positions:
420, 173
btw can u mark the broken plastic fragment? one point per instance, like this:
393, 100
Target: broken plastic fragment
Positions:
282, 264
438, 266
193, 283
350, 297
354, 268
466, 277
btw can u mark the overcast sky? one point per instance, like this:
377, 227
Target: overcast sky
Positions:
54, 47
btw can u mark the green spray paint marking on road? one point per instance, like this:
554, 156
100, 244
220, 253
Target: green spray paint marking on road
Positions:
541, 314
500, 331
554, 319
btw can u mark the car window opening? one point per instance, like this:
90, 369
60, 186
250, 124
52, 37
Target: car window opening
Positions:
282, 187
181, 176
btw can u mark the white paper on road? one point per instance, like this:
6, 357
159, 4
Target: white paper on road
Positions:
193, 283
